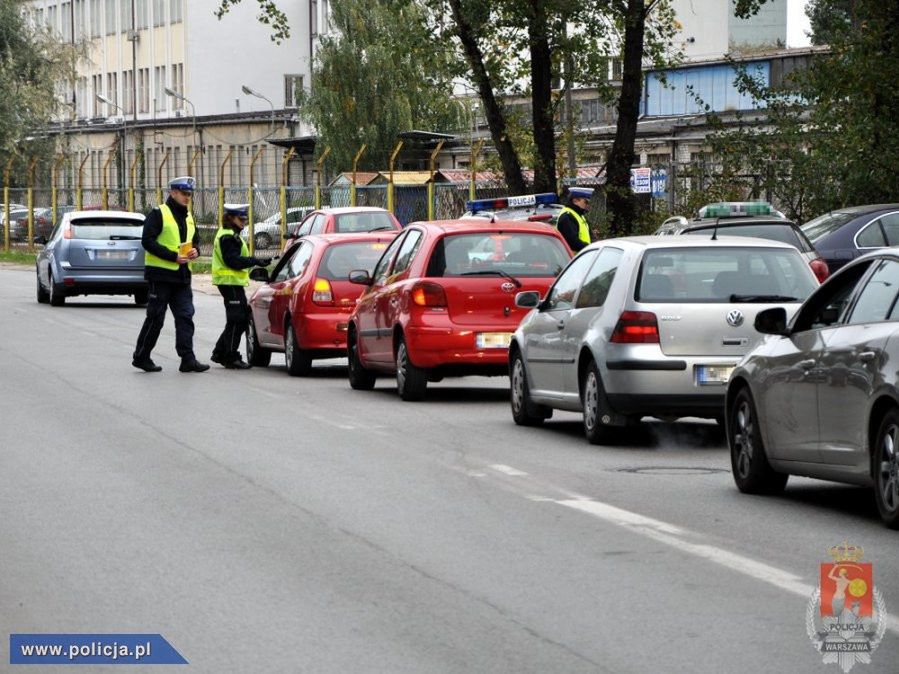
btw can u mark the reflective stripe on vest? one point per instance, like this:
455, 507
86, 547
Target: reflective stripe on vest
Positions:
222, 274
169, 238
583, 229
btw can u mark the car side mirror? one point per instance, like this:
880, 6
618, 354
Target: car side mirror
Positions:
772, 321
360, 277
259, 274
529, 299
40, 240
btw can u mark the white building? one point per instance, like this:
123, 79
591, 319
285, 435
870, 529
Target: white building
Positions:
710, 30
136, 49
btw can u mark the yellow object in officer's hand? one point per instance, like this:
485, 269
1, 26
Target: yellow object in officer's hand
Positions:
185, 248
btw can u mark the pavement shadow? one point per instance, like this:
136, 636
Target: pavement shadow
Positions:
842, 498
652, 435
446, 394
99, 305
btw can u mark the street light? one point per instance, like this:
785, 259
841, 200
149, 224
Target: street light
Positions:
123, 156
250, 92
180, 97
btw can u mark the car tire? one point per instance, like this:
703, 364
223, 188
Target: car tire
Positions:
592, 400
748, 459
43, 297
257, 356
262, 241
525, 412
361, 379
886, 469
56, 296
142, 297
299, 362
411, 381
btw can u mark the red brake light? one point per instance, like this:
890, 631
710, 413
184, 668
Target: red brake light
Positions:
428, 295
321, 292
820, 268
540, 217
67, 232
636, 327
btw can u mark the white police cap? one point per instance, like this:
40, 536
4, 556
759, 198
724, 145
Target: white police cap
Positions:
240, 210
184, 183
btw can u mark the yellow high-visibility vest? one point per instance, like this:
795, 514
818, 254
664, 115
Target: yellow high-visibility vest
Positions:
583, 232
222, 274
169, 238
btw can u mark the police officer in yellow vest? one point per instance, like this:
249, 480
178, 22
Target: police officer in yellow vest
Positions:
231, 264
572, 223
170, 241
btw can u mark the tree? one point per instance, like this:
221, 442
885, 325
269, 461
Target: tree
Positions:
31, 63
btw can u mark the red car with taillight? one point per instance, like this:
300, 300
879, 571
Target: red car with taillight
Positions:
441, 301
344, 220
303, 307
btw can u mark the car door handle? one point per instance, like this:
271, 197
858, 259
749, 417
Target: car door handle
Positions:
560, 325
807, 364
867, 356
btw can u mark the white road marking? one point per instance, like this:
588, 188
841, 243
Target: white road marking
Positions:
671, 535
507, 470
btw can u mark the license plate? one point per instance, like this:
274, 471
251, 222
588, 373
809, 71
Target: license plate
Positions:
713, 375
493, 340
112, 254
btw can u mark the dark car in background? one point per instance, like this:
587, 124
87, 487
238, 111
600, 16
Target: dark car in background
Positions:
543, 207
755, 219
93, 253
42, 224
844, 234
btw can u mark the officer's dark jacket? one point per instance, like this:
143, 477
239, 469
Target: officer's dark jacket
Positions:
152, 229
231, 249
569, 228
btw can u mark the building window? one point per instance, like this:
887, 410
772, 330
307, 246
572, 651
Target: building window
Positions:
159, 88
97, 88
616, 69
51, 18
293, 85
158, 12
141, 8
96, 16
178, 84
128, 91
143, 90
176, 11
110, 17
112, 92
79, 19
313, 16
126, 15
66, 12
81, 107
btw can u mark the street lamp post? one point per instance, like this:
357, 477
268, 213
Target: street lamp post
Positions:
180, 97
250, 92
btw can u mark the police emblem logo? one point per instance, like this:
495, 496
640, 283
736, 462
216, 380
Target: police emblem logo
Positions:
846, 617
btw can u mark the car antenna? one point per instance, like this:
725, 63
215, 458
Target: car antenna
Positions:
715, 231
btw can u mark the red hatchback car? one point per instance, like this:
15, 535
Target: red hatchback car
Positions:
344, 221
303, 307
441, 300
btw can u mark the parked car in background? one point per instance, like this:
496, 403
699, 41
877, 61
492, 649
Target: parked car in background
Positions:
92, 253
648, 326
543, 207
14, 216
303, 307
347, 220
846, 233
440, 301
820, 396
42, 225
267, 233
748, 218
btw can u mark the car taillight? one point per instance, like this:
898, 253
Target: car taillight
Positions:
428, 295
321, 292
540, 217
67, 232
636, 327
821, 270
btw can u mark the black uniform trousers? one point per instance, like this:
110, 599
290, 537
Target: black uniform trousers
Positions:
227, 348
180, 298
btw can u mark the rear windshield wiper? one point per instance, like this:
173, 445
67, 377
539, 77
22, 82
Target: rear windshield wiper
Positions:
381, 228
497, 272
763, 298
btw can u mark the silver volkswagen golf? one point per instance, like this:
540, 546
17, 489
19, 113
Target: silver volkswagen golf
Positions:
648, 326
820, 397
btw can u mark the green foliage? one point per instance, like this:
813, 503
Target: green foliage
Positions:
269, 14
379, 74
830, 139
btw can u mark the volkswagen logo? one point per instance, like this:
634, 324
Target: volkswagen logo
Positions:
735, 318
508, 286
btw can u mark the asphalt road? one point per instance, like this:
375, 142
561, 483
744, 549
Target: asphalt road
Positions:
263, 523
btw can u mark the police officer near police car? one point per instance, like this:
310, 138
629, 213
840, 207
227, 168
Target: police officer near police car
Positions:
572, 223
170, 241
231, 263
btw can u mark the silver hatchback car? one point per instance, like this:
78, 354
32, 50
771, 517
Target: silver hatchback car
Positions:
820, 398
93, 253
648, 326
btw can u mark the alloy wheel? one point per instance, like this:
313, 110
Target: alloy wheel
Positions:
402, 363
591, 400
517, 385
888, 476
743, 433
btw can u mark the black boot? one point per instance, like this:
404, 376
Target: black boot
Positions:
193, 365
146, 365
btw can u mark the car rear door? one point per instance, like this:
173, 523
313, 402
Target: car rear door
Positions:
374, 339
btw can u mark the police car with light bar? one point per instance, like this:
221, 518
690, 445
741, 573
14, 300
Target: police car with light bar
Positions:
543, 207
756, 219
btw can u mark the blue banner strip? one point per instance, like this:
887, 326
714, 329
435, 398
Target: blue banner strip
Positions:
92, 649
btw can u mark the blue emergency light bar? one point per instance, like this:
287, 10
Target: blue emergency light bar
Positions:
511, 202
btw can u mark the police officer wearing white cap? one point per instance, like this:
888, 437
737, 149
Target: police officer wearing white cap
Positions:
170, 241
231, 262
572, 223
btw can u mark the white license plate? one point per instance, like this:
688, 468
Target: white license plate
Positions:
713, 375
112, 254
493, 340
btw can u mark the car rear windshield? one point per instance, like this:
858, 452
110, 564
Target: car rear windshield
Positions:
106, 229
718, 274
364, 222
513, 253
781, 231
342, 258
826, 224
